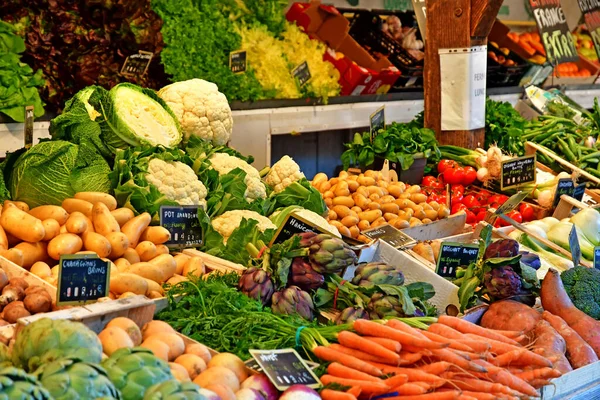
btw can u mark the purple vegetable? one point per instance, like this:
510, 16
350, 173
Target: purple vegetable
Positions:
300, 392
210, 395
248, 394
502, 248
263, 385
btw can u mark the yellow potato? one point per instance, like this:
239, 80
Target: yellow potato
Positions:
180, 260
97, 243
418, 197
194, 266
128, 282
32, 252
146, 250
415, 222
343, 201
147, 270
443, 211
153, 287
370, 215
414, 189
344, 231
82, 206
379, 221
155, 234
46, 212
21, 224
122, 264
390, 216
332, 215
364, 225
353, 185
167, 264
21, 205
328, 202
131, 255
77, 223
361, 200
118, 245
65, 243
161, 249
374, 206
365, 181
98, 197
41, 269
3, 239
431, 214
349, 221
134, 228
390, 208
401, 224
341, 211
395, 190
104, 222
51, 229
13, 255
354, 231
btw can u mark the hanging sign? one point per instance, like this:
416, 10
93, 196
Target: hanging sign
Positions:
554, 31
591, 16
82, 278
564, 186
517, 171
183, 225
579, 191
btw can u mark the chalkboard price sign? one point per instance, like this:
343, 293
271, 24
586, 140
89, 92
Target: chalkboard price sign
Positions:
554, 31
574, 245
302, 73
183, 224
579, 191
390, 235
136, 65
82, 278
28, 137
454, 255
294, 225
285, 368
377, 122
564, 186
597, 257
517, 171
591, 16
512, 203
237, 61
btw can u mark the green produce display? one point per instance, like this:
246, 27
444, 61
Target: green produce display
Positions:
504, 127
172, 390
582, 285
17, 384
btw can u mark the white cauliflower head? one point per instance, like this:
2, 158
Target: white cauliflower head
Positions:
283, 173
224, 163
201, 110
227, 222
177, 182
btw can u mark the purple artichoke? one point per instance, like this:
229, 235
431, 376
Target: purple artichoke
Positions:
502, 282
304, 276
293, 300
377, 273
351, 314
256, 283
328, 254
502, 248
382, 306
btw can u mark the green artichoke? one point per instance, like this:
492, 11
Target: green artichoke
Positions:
16, 384
292, 301
71, 379
4, 353
46, 340
378, 274
351, 314
382, 306
174, 390
134, 370
327, 254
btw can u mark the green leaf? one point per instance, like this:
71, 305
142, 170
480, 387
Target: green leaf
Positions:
466, 292
421, 290
402, 294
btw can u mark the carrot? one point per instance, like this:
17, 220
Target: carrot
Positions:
465, 397
477, 385
480, 395
396, 380
540, 373
354, 341
354, 390
477, 345
538, 383
413, 374
328, 394
468, 355
415, 349
404, 327
502, 376
437, 367
367, 388
370, 328
389, 344
521, 356
329, 354
449, 395
497, 347
464, 326
361, 355
339, 370
407, 358
508, 334
440, 339
447, 355
410, 389
579, 352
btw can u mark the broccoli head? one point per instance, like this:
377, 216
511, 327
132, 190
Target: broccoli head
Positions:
583, 287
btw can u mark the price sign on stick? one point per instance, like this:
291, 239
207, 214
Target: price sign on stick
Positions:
579, 191
294, 225
554, 31
454, 255
285, 368
377, 122
183, 224
302, 73
237, 61
136, 65
390, 235
28, 137
574, 246
82, 278
517, 171
591, 16
597, 257
564, 186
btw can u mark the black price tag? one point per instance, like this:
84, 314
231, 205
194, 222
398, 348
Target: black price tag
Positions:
82, 278
579, 191
28, 136
285, 368
183, 224
294, 225
597, 257
517, 171
392, 236
564, 186
136, 65
237, 61
554, 31
454, 255
591, 16
512, 203
574, 246
302, 73
377, 122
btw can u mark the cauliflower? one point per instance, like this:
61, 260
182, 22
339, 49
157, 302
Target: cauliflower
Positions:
201, 109
227, 222
278, 217
177, 182
223, 163
283, 173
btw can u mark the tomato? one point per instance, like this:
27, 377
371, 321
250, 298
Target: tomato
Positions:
514, 215
433, 197
457, 197
494, 205
457, 188
527, 212
428, 180
471, 217
458, 207
470, 201
470, 176
437, 185
482, 197
442, 199
481, 215
444, 164
497, 198
454, 176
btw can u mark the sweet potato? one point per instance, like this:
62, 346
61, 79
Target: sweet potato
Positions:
556, 300
579, 353
509, 315
550, 344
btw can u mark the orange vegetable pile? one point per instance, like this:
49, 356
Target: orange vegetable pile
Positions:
453, 359
570, 69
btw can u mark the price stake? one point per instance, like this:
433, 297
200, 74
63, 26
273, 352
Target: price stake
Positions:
574, 246
136, 65
421, 15
517, 171
237, 61
377, 122
302, 73
512, 203
579, 191
564, 186
294, 225
82, 278
253, 365
454, 255
183, 224
591, 16
554, 31
597, 257
285, 368
28, 136
390, 235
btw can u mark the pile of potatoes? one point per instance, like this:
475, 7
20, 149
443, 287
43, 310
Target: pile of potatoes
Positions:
91, 223
359, 202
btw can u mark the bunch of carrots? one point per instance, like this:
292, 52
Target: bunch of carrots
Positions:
453, 359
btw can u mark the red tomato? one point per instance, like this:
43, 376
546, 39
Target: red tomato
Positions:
497, 198
514, 214
428, 180
433, 197
442, 199
470, 176
482, 197
457, 197
470, 201
527, 212
458, 207
481, 215
457, 188
437, 185
444, 164
471, 217
454, 176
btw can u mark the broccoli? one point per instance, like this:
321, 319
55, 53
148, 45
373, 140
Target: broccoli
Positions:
583, 287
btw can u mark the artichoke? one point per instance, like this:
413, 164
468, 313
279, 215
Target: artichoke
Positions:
502, 282
256, 283
46, 340
134, 370
17, 384
71, 379
351, 314
174, 390
378, 274
293, 300
304, 276
327, 254
503, 248
382, 306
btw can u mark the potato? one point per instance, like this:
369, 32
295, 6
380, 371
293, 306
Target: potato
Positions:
65, 243
22, 225
82, 206
123, 215
13, 255
389, 216
341, 211
343, 201
146, 250
128, 282
46, 212
161, 249
374, 205
32, 252
149, 271
97, 243
21, 205
122, 264
392, 208
119, 244
113, 339
175, 279
41, 269
370, 216
332, 215
3, 239
154, 287
180, 259
354, 231
51, 229
194, 266
364, 225
443, 211
379, 221
134, 228
418, 198
103, 220
98, 197
349, 221
167, 263
155, 234
77, 223
401, 224
431, 214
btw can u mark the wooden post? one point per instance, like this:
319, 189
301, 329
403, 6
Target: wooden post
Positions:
453, 24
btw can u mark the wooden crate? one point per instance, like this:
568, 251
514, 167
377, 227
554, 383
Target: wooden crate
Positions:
452, 225
215, 264
582, 383
14, 271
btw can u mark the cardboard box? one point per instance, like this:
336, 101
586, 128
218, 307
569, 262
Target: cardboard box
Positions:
583, 63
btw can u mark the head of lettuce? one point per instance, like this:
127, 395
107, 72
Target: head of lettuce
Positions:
52, 171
